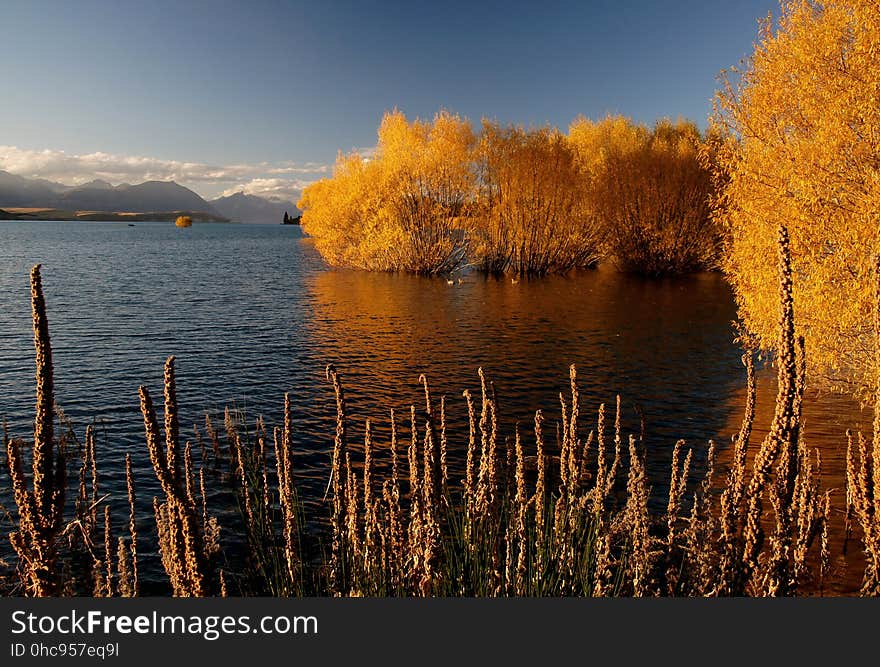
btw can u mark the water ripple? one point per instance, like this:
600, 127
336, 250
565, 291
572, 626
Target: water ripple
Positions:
251, 312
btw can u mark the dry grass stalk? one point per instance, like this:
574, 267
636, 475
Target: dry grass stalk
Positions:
241, 475
470, 460
109, 557
184, 553
125, 583
371, 532
432, 478
210, 525
286, 493
395, 535
414, 551
521, 505
132, 527
263, 464
863, 473
606, 475
354, 553
637, 520
731, 498
540, 499
223, 591
780, 445
430, 502
200, 442
677, 486
212, 434
87, 496
41, 507
337, 484
444, 469
482, 499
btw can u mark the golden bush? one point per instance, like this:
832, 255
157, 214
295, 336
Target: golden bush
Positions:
433, 199
805, 139
399, 209
532, 215
651, 192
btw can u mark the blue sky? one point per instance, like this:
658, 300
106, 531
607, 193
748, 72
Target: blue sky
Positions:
261, 95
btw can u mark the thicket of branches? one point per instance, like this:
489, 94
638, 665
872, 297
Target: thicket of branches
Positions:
436, 197
651, 190
533, 212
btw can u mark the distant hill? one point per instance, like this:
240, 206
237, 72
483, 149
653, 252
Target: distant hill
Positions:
149, 196
99, 200
20, 191
250, 208
97, 184
102, 199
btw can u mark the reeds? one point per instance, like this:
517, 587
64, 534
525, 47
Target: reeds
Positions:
863, 473
585, 527
185, 553
40, 507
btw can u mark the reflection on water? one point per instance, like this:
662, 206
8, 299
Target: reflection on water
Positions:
826, 419
251, 312
664, 346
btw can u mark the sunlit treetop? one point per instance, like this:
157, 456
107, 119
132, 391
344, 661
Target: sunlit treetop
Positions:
804, 123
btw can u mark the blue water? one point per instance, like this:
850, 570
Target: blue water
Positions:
251, 312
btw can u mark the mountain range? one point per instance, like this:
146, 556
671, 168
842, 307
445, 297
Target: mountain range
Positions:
250, 208
163, 197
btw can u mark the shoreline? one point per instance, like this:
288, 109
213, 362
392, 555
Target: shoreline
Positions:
14, 214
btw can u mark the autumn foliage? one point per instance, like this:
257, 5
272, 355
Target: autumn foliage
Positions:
398, 209
435, 198
533, 212
805, 139
651, 190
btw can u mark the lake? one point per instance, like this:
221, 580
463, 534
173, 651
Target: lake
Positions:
251, 312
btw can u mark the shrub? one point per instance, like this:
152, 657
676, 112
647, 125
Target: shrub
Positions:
805, 136
531, 216
399, 209
652, 193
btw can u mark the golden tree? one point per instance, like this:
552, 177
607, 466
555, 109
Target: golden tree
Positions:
531, 216
401, 208
345, 216
432, 177
651, 191
805, 124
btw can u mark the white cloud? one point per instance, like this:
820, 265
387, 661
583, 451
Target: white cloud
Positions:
271, 188
263, 178
366, 152
305, 168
